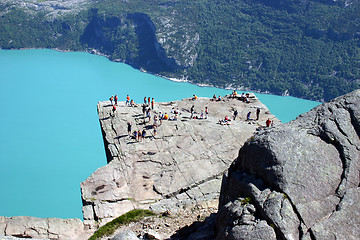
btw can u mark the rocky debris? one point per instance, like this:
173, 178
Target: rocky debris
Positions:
42, 228
193, 222
181, 165
299, 180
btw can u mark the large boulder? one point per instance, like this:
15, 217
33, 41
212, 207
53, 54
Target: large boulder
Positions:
301, 178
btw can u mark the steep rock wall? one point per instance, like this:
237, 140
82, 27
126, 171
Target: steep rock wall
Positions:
299, 180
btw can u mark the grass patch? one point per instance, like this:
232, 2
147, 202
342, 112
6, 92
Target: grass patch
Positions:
245, 201
110, 227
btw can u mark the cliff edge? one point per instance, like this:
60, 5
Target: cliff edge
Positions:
181, 165
299, 180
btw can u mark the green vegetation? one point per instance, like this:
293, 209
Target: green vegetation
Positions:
309, 49
245, 201
110, 227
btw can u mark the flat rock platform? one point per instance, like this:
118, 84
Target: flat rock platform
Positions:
181, 165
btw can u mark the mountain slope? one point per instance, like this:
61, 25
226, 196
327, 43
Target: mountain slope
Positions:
309, 49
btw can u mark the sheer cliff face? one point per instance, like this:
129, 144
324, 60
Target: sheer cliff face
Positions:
299, 180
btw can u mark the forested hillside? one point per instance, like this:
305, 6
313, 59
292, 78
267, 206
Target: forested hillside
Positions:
308, 48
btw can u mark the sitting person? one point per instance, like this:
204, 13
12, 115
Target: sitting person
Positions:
225, 121
132, 103
242, 97
233, 94
166, 116
213, 98
174, 118
143, 134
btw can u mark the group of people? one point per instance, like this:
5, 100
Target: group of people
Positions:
149, 103
203, 115
216, 99
148, 107
114, 103
245, 97
225, 121
129, 103
138, 135
257, 115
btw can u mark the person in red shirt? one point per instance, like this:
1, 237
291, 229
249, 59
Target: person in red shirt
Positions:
268, 122
127, 100
116, 99
114, 109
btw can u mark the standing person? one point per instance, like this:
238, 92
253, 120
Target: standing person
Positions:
145, 100
192, 111
144, 109
149, 100
143, 134
235, 114
111, 100
248, 116
206, 112
129, 128
139, 135
155, 119
127, 100
155, 130
202, 114
148, 114
268, 122
152, 103
116, 99
257, 113
113, 110
160, 117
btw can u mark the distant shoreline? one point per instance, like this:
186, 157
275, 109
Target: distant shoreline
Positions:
95, 52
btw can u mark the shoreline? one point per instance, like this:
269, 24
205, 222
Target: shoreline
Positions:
95, 52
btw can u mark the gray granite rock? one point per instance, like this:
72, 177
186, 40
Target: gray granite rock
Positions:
42, 228
125, 235
303, 176
181, 165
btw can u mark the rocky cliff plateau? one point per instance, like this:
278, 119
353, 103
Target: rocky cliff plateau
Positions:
177, 172
298, 180
182, 165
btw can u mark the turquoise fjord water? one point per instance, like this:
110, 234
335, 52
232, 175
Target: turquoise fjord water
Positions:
50, 137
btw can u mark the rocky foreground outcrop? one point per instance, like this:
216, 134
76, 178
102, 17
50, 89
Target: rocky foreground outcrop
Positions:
299, 180
42, 228
182, 165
